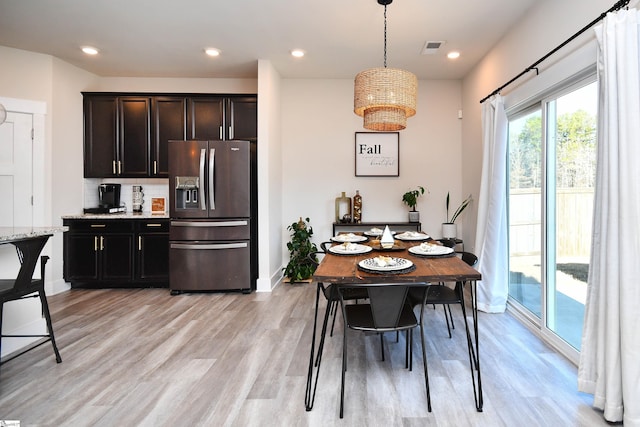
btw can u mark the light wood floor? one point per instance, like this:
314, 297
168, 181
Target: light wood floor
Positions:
145, 358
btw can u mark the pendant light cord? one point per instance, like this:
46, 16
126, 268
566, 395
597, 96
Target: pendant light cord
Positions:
385, 36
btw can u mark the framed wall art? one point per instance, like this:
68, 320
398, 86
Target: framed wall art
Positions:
377, 154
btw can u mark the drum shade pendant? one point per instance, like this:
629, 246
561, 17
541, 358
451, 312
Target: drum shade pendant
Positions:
385, 97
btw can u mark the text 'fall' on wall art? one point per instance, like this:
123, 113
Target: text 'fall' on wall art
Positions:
377, 154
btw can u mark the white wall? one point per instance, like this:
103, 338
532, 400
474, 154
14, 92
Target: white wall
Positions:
318, 156
544, 27
269, 176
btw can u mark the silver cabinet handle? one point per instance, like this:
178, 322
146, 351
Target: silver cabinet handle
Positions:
139, 243
230, 131
102, 243
95, 243
220, 132
155, 167
114, 167
203, 155
119, 167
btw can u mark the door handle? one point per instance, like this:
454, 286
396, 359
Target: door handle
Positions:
212, 194
95, 243
139, 243
209, 247
203, 155
114, 167
102, 243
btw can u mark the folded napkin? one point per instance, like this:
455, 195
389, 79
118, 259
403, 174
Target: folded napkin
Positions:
430, 247
348, 246
386, 241
384, 261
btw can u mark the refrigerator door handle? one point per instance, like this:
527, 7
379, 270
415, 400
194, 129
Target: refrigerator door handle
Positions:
209, 224
203, 155
209, 246
212, 194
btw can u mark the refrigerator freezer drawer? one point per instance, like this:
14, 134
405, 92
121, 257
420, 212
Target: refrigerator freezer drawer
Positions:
205, 230
209, 266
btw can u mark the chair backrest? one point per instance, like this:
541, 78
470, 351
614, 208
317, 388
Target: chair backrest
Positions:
28, 253
388, 301
469, 258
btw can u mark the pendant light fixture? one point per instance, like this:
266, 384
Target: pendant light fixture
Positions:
385, 97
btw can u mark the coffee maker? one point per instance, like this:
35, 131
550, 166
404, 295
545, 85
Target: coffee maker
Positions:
109, 195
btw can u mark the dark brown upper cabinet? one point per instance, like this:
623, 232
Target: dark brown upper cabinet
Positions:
126, 135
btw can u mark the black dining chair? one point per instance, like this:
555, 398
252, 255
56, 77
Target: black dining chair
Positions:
25, 286
444, 295
388, 310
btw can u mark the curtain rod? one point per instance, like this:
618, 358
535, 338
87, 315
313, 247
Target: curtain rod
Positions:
619, 5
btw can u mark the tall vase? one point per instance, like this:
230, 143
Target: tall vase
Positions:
357, 208
343, 208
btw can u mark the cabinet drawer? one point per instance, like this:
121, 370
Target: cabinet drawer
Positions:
99, 226
152, 226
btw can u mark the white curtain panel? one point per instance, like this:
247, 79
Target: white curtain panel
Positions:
491, 235
610, 356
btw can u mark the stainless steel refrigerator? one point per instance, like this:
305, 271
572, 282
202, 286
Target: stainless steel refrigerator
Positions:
210, 198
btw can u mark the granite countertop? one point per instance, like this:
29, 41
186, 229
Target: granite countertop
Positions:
125, 215
9, 234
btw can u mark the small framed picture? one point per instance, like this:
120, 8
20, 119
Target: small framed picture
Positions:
377, 154
158, 205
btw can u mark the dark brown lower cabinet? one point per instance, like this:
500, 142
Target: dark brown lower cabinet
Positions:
116, 252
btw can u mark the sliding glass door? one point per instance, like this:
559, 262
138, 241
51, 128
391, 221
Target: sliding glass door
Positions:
552, 159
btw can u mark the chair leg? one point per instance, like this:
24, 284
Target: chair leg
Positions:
334, 304
426, 372
453, 326
47, 316
444, 307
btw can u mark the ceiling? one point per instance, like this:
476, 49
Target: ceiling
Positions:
166, 38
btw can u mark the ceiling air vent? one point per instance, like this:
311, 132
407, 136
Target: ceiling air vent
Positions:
431, 47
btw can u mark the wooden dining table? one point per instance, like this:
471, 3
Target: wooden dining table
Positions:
337, 269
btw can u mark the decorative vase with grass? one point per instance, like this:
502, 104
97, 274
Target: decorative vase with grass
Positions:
410, 198
449, 228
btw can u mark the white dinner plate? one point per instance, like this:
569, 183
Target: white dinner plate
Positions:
348, 237
429, 249
412, 235
394, 264
372, 233
352, 249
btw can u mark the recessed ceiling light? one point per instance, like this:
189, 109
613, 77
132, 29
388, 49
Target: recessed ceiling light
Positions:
298, 53
453, 55
212, 51
90, 50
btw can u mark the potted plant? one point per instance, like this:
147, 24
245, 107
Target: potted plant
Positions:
410, 198
300, 268
449, 229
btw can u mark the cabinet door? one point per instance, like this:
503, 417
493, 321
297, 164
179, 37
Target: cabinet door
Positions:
169, 123
153, 257
81, 254
100, 136
117, 256
243, 119
135, 138
206, 118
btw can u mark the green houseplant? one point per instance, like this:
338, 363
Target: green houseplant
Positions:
449, 229
410, 198
300, 267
